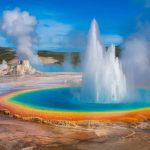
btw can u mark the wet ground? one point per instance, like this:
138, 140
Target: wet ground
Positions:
22, 135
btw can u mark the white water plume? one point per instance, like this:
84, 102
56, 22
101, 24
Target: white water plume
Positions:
103, 78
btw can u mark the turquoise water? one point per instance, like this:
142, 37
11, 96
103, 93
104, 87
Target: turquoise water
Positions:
69, 99
58, 68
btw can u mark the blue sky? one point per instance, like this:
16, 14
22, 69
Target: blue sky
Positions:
64, 24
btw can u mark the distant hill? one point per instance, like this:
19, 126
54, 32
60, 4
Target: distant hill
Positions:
7, 54
75, 57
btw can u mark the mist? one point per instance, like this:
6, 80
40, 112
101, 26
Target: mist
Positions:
20, 27
136, 59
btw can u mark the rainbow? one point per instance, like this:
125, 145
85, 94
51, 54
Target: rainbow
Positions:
26, 111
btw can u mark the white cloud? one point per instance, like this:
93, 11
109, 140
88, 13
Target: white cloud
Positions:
53, 34
112, 39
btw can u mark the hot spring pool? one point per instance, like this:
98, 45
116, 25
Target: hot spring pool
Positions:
68, 99
64, 103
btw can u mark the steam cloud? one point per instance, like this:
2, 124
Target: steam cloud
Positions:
136, 52
136, 58
19, 25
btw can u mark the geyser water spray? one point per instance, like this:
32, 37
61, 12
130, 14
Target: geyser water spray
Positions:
103, 78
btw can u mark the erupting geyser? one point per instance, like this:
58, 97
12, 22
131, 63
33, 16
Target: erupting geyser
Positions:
103, 78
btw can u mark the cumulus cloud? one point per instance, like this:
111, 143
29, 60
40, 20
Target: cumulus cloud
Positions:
20, 25
53, 34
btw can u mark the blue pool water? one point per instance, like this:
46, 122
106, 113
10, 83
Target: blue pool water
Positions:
69, 99
58, 68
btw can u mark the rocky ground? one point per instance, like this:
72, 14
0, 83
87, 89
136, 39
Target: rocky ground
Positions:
21, 135
38, 80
